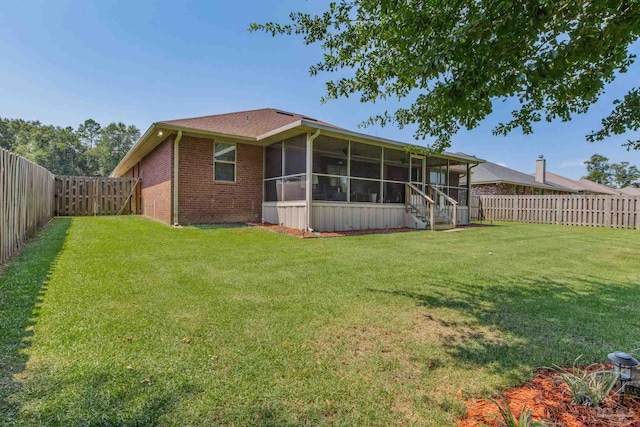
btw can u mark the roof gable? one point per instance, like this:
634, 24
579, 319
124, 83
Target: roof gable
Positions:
262, 127
251, 123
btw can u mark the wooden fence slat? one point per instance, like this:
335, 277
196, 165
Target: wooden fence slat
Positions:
579, 210
26, 201
81, 196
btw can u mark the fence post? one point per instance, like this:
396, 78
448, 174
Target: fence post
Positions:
92, 195
26, 201
578, 210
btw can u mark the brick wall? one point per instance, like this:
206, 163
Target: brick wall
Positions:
508, 190
157, 181
203, 201
492, 190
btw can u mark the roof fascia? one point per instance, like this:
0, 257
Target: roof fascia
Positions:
136, 147
303, 124
194, 131
542, 187
146, 141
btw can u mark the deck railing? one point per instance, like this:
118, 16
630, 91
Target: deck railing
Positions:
421, 205
446, 206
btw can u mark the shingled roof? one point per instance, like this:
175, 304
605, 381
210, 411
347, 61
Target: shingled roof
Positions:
492, 173
594, 187
580, 185
251, 123
630, 191
261, 127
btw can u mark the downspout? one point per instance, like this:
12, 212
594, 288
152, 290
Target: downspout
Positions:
309, 194
176, 153
469, 167
469, 195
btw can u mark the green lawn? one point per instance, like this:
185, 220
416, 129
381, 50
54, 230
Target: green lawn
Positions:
124, 321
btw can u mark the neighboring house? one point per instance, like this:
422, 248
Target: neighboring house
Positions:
580, 186
493, 179
630, 191
291, 170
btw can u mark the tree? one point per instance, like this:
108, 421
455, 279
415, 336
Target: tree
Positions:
625, 116
115, 141
598, 169
617, 175
66, 153
6, 136
89, 132
89, 150
454, 59
55, 148
625, 175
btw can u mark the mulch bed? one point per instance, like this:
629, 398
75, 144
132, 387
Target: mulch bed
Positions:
311, 235
550, 400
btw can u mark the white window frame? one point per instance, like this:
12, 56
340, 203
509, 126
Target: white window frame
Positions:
228, 162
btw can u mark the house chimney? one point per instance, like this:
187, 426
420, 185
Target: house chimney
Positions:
541, 169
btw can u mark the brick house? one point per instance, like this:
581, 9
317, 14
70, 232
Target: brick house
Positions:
491, 179
581, 186
289, 169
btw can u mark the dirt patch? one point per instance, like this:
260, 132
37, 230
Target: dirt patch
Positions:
549, 399
312, 235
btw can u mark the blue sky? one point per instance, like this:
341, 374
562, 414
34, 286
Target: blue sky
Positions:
140, 61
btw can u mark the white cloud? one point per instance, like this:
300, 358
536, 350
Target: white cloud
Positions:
502, 164
572, 163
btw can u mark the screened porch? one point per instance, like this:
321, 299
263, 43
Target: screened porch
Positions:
328, 183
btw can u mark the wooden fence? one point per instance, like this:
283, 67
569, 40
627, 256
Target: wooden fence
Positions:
81, 196
26, 201
585, 210
475, 209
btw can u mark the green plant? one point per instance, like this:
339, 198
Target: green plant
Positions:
525, 418
587, 387
285, 331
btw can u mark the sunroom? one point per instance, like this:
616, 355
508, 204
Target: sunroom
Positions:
328, 181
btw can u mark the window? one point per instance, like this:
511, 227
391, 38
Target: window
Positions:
285, 179
224, 161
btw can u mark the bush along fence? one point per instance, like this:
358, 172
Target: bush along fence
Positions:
82, 196
26, 201
585, 210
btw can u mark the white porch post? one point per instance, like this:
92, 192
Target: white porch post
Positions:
469, 185
176, 173
309, 195
309, 198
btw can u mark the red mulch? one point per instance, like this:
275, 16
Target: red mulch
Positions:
306, 235
549, 399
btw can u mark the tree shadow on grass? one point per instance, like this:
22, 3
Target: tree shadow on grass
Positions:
101, 398
23, 282
519, 324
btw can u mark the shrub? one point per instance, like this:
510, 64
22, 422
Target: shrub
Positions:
525, 418
588, 388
